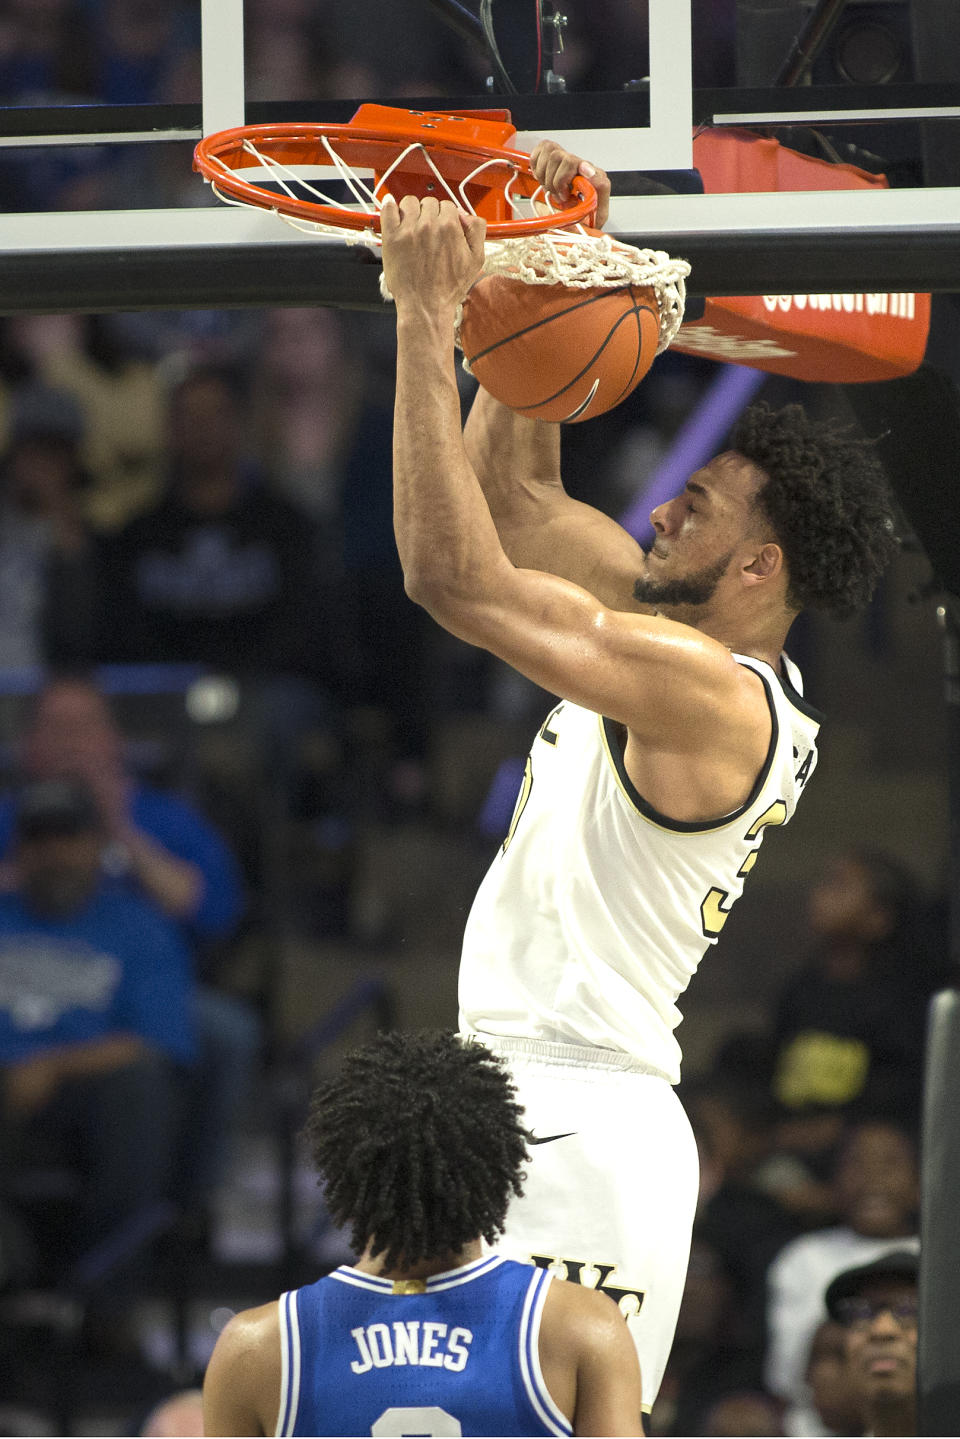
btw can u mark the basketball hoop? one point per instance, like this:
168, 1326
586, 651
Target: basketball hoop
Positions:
463, 157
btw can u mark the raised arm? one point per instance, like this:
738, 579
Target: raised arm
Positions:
517, 462
666, 682
541, 527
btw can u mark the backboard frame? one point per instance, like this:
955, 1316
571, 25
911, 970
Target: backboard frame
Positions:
893, 240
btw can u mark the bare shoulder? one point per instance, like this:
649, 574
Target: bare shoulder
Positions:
248, 1335
589, 1361
584, 1318
241, 1391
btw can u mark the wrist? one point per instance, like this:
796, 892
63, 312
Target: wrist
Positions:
416, 315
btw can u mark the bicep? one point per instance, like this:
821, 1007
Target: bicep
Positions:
584, 546
658, 678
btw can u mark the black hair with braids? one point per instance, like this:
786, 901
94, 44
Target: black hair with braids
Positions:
420, 1144
828, 501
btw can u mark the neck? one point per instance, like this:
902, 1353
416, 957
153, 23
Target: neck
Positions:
893, 1417
846, 960
759, 637
424, 1268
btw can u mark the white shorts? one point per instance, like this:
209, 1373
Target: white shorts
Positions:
610, 1203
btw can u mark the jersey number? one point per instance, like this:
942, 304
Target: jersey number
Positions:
713, 915
549, 737
422, 1423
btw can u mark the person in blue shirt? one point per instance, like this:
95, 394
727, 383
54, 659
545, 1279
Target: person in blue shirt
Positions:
157, 847
420, 1145
95, 1016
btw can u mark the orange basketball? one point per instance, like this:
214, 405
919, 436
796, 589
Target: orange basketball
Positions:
553, 352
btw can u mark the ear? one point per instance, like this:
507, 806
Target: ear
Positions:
765, 566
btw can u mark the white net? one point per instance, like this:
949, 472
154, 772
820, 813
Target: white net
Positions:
582, 260
575, 257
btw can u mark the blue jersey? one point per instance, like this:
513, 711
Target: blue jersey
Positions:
459, 1355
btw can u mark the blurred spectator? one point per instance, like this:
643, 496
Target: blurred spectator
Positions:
877, 1305
744, 1414
137, 43
877, 1188
708, 1361
157, 844
158, 848
120, 395
94, 1016
305, 398
740, 1211
834, 1406
45, 48
177, 1417
46, 579
849, 1028
222, 571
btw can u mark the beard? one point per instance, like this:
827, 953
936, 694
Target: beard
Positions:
694, 589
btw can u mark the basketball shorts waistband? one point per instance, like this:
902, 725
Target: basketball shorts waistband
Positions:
582, 1056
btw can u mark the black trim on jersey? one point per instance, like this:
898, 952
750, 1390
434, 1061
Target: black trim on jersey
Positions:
693, 826
796, 698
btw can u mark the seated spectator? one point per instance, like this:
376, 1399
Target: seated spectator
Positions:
159, 849
742, 1415
877, 1188
708, 1360
849, 1029
834, 1406
121, 395
740, 1210
46, 578
877, 1305
95, 1025
222, 572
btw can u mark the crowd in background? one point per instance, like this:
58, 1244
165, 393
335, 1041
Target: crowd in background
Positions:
210, 493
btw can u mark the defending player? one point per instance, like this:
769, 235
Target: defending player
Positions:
421, 1144
680, 739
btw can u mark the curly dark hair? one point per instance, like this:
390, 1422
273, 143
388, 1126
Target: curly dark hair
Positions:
420, 1144
828, 501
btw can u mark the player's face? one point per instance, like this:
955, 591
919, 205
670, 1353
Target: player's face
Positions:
701, 534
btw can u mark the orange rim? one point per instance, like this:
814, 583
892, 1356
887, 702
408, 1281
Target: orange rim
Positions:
221, 158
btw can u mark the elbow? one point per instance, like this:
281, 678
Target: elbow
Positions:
429, 588
419, 586
449, 606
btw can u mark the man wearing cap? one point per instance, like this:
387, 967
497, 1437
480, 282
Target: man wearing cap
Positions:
94, 1015
877, 1305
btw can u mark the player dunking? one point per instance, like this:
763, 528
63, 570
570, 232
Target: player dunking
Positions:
680, 739
421, 1144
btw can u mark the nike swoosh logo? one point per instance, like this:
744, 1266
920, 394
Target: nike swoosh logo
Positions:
549, 1138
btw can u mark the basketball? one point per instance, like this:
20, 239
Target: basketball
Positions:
553, 352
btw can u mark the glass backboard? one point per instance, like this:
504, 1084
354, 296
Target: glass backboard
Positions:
626, 82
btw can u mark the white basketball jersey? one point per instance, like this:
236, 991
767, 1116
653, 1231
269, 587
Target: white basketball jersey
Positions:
592, 919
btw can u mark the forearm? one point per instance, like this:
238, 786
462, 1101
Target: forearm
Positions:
172, 883
97, 1056
516, 460
446, 539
